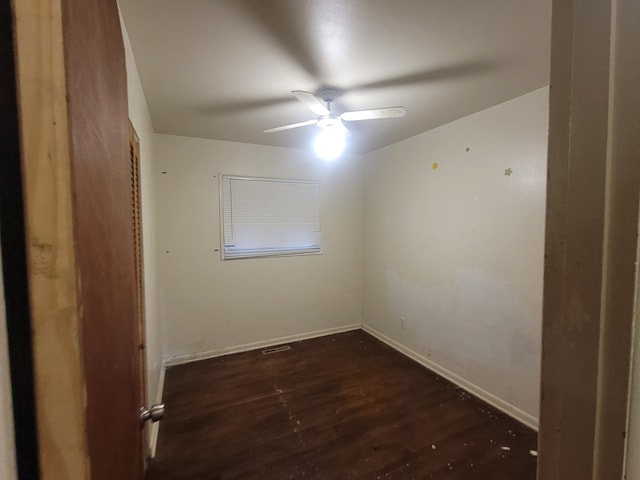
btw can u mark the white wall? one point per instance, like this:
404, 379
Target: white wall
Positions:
458, 250
208, 304
7, 444
139, 116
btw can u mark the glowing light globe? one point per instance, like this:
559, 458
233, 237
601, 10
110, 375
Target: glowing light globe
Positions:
329, 143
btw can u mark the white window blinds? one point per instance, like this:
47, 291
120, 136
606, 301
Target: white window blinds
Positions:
265, 216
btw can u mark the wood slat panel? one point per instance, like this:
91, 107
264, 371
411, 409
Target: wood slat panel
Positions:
134, 159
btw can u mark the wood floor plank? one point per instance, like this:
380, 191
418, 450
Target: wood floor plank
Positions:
344, 406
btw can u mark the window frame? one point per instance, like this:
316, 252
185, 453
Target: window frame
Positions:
224, 257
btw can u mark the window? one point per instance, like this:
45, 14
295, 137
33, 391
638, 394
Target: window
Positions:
268, 216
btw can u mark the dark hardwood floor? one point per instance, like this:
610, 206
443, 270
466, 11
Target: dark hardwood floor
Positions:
338, 407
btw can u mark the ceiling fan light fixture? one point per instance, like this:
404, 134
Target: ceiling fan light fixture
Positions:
330, 143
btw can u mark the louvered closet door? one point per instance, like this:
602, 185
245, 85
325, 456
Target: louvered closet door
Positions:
134, 158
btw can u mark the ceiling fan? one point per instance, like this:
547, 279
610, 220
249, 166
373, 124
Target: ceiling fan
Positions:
327, 119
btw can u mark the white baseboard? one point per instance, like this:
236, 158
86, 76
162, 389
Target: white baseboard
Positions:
155, 427
473, 389
179, 360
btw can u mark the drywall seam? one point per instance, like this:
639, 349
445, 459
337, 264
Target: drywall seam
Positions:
155, 427
506, 407
179, 360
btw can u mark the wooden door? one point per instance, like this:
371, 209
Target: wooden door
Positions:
80, 238
134, 160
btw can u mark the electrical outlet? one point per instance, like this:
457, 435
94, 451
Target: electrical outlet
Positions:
402, 322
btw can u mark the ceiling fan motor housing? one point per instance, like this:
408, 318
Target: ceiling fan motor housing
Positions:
328, 94
327, 121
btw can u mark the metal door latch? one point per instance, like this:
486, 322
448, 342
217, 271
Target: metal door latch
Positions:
155, 413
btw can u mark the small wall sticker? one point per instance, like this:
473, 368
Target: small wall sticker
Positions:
508, 172
434, 166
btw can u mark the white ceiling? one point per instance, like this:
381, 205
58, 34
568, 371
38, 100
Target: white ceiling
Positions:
224, 69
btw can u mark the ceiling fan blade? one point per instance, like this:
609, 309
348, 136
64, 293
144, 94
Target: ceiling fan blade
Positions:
288, 127
312, 102
344, 129
374, 114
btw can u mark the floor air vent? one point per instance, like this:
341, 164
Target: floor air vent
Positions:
282, 348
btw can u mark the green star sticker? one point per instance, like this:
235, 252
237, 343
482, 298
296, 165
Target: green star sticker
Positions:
508, 172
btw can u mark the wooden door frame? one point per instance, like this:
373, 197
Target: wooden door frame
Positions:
57, 345
591, 238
